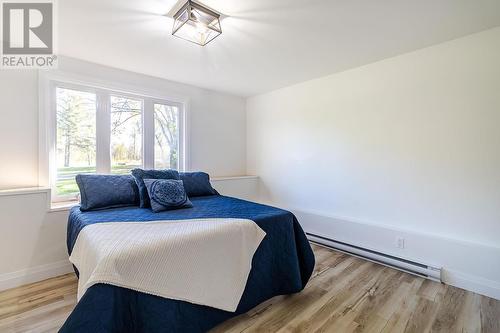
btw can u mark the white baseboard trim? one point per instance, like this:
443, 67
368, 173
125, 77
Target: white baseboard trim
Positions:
34, 274
466, 265
472, 283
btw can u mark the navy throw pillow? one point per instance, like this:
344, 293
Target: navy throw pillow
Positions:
197, 184
107, 191
140, 175
167, 194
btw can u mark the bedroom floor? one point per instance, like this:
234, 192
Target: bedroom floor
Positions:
345, 294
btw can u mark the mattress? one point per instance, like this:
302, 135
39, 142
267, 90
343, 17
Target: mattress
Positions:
282, 264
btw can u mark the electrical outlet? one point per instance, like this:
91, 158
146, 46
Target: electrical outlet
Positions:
400, 243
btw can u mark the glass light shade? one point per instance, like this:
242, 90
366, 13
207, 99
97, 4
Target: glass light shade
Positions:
197, 24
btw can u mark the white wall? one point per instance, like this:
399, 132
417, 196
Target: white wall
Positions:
410, 144
32, 239
18, 128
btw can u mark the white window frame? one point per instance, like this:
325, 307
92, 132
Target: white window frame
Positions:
50, 80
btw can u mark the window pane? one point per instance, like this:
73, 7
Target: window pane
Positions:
76, 138
126, 134
166, 136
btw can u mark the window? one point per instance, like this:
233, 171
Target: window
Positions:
166, 136
126, 134
76, 138
99, 130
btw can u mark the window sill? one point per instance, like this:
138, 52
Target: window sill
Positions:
219, 179
24, 191
62, 206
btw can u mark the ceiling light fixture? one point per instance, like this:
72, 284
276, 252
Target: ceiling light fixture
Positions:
196, 23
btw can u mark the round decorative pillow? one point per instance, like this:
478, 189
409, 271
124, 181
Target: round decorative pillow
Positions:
166, 194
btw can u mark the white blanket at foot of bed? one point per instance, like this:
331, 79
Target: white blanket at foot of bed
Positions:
202, 261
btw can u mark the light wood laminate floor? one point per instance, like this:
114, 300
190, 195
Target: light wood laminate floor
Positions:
345, 294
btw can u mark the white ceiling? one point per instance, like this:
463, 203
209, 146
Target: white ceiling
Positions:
265, 44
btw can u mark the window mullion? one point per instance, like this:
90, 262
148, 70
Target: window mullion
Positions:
148, 134
103, 133
182, 138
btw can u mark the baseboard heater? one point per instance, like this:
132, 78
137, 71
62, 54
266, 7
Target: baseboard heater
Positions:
412, 267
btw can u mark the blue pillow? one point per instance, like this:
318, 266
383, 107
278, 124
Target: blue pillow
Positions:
167, 194
197, 184
107, 191
140, 175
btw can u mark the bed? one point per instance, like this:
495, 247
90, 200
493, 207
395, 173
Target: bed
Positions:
282, 264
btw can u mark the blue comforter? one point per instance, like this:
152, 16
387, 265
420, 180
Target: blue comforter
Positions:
282, 264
